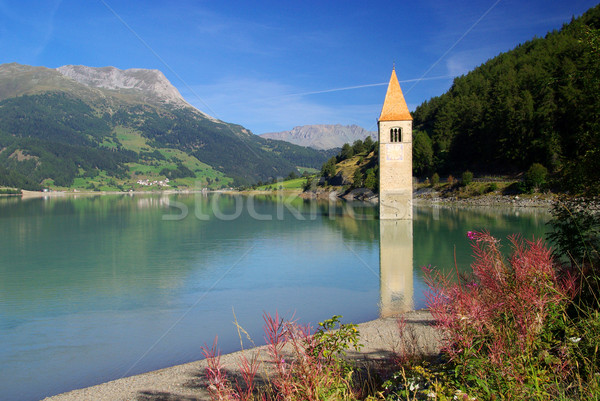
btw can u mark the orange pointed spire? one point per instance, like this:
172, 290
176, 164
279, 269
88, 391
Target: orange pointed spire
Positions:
394, 105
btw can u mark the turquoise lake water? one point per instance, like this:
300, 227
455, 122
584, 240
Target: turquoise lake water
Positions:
96, 288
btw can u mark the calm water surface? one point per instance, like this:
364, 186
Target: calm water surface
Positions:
97, 288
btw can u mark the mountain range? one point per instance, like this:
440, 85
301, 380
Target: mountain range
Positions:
322, 136
106, 128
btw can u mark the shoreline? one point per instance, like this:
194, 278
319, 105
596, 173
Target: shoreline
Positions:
490, 201
380, 337
536, 200
419, 197
40, 194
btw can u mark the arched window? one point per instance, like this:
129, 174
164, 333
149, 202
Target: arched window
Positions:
396, 134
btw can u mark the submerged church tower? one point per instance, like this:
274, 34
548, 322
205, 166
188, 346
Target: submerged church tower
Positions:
395, 155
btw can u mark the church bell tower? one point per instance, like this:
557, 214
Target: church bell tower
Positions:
395, 155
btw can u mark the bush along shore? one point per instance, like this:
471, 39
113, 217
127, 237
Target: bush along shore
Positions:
526, 326
10, 191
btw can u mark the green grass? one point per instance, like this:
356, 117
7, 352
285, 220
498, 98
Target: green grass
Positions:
145, 171
9, 191
109, 142
131, 139
296, 183
102, 182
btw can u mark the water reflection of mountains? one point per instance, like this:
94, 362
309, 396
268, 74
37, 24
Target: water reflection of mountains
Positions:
140, 237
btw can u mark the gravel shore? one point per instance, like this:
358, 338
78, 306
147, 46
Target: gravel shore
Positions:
427, 196
381, 338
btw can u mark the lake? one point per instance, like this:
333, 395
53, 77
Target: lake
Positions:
94, 288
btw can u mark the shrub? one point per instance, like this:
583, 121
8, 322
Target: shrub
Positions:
576, 229
435, 179
331, 342
535, 178
9, 191
467, 178
357, 179
308, 184
451, 180
372, 181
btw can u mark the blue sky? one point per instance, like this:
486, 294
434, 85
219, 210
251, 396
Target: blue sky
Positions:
273, 65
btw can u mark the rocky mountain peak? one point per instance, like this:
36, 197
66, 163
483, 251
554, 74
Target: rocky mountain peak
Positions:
322, 136
147, 82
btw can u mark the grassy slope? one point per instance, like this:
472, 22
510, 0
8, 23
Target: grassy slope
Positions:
349, 166
150, 169
296, 183
346, 167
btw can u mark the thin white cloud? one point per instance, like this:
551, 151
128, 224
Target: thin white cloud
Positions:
264, 106
48, 29
212, 28
39, 23
346, 88
462, 62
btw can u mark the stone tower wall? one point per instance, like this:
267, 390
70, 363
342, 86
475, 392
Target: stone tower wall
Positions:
395, 171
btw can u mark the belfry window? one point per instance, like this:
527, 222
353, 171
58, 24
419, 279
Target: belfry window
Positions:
396, 135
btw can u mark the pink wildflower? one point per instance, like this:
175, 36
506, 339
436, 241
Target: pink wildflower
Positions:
499, 315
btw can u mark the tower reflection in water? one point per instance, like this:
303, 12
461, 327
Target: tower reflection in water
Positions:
395, 267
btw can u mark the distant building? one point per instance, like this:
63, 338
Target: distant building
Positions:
395, 155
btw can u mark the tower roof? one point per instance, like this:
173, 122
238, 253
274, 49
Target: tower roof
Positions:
394, 105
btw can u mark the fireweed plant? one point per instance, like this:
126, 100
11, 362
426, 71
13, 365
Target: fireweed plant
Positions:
506, 332
302, 365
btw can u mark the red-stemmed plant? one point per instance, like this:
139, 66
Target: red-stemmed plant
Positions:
500, 326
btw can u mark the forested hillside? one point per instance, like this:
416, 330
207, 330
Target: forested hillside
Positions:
539, 103
54, 136
56, 132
